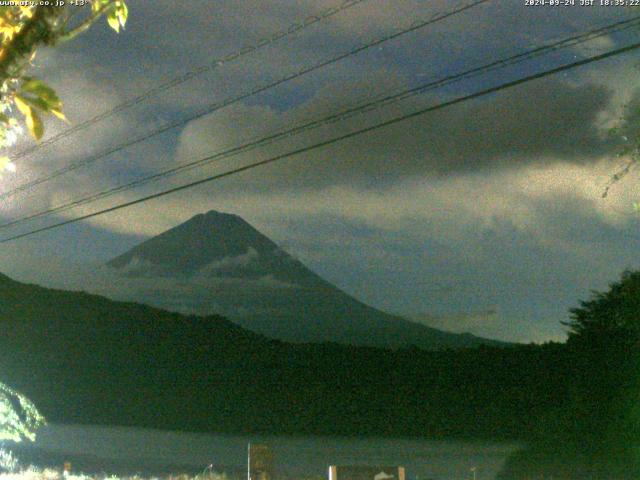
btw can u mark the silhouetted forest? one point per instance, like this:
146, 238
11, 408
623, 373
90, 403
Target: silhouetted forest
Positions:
86, 359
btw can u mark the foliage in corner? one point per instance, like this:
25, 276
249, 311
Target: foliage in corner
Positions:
19, 418
23, 29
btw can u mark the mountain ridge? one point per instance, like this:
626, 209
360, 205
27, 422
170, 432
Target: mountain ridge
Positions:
305, 308
86, 359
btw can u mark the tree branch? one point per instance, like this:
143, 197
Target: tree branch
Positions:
84, 26
38, 30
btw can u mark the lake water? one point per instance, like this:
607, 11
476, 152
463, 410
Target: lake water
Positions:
144, 451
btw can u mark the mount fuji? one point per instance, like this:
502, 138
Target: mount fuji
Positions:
217, 263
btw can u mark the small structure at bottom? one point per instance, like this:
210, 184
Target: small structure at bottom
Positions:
260, 462
365, 472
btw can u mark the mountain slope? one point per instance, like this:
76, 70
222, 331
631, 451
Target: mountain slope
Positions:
84, 359
259, 286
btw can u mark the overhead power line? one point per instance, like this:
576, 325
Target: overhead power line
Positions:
225, 103
336, 139
174, 82
339, 116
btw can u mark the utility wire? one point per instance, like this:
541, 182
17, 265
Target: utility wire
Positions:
337, 139
217, 106
340, 116
290, 30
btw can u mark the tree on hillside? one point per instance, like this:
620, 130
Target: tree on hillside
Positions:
23, 30
609, 317
604, 340
594, 430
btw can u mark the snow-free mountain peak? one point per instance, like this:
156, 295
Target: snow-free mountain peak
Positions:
200, 241
217, 263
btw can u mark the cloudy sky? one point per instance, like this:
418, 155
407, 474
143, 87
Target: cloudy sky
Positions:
486, 216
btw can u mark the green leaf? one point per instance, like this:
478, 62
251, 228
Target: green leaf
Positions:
123, 12
7, 164
117, 17
35, 125
96, 5
36, 103
24, 108
113, 21
43, 91
31, 117
60, 115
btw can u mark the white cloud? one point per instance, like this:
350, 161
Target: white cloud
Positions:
451, 206
447, 177
238, 261
596, 46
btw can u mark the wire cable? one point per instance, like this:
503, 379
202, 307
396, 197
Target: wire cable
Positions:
335, 140
292, 29
217, 106
340, 116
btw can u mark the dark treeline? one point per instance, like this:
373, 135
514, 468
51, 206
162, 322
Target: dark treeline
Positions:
85, 359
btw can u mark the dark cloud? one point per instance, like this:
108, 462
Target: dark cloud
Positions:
540, 123
458, 191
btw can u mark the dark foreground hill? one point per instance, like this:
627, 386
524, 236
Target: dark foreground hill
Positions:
86, 359
217, 263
